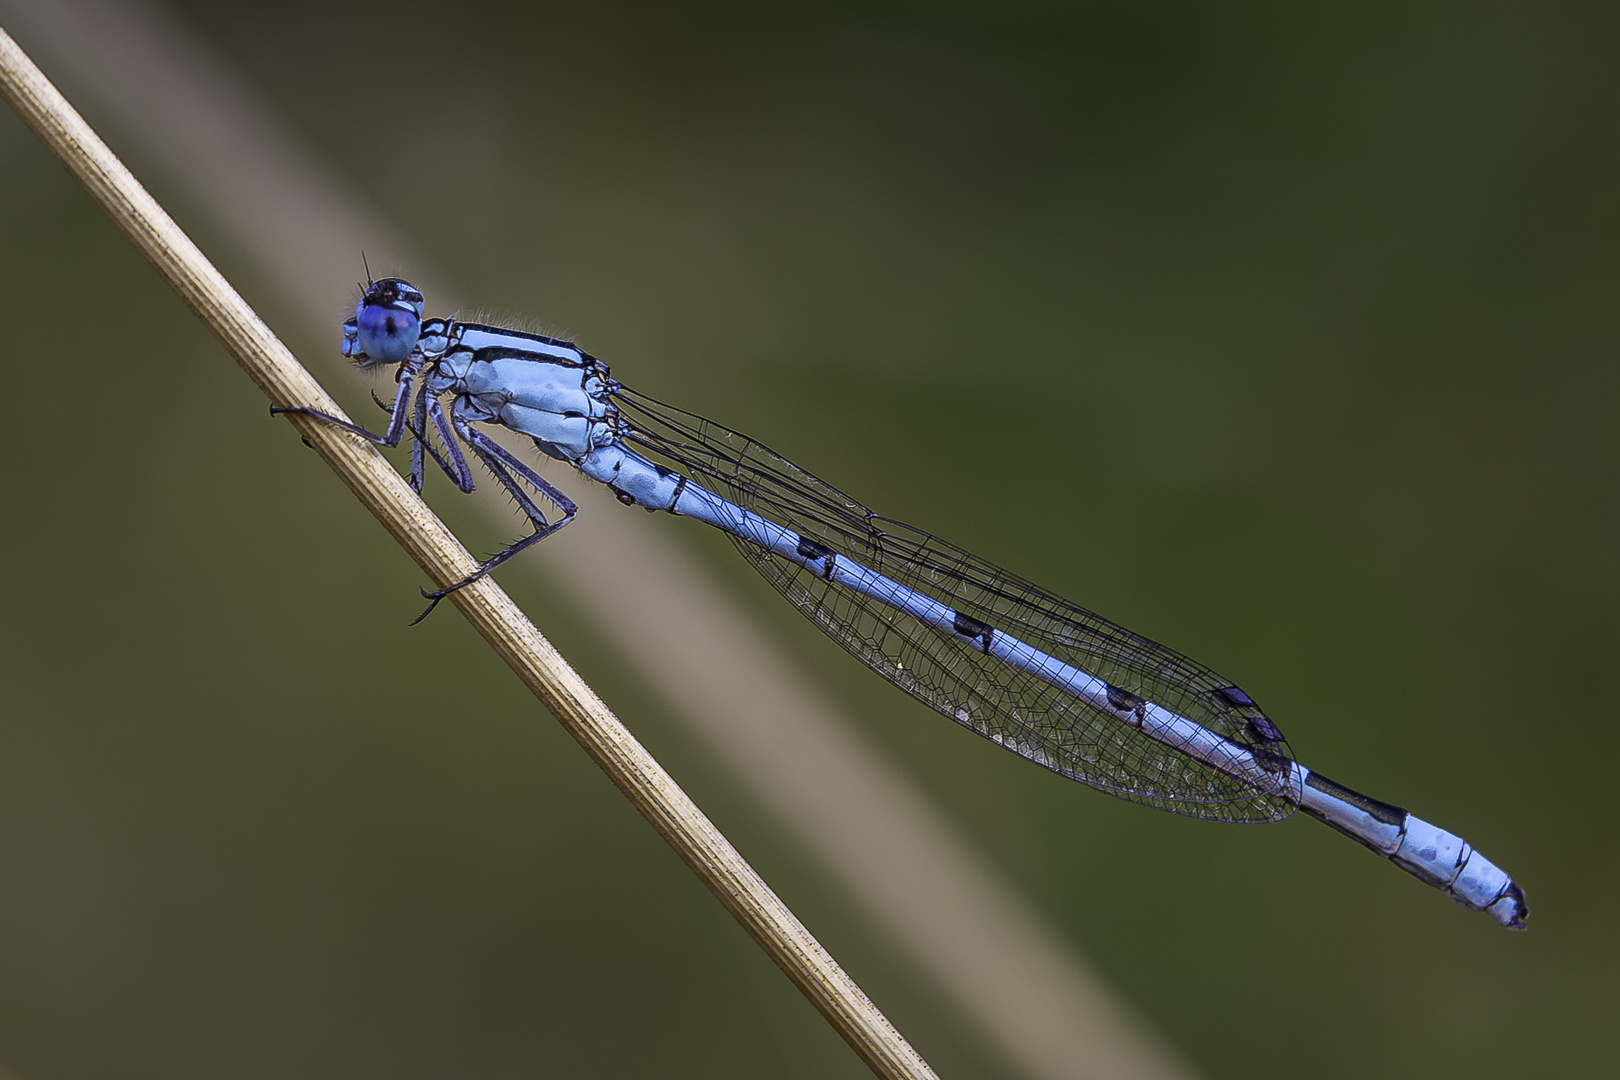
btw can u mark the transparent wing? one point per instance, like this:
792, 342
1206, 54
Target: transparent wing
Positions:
1010, 707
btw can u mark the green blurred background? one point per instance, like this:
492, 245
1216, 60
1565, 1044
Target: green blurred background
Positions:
1283, 334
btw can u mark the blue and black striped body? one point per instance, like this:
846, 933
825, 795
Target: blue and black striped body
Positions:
1044, 678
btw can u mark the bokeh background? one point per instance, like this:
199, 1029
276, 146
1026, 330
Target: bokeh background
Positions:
1283, 334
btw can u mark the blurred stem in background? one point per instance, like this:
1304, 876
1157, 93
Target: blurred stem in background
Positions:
916, 877
1315, 300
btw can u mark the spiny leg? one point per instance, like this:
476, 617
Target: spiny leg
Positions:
396, 423
502, 464
418, 467
421, 441
457, 471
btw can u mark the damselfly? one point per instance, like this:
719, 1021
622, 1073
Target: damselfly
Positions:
1024, 668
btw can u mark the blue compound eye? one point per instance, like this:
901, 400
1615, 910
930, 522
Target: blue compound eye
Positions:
388, 320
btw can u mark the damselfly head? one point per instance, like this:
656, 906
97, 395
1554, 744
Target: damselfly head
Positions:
386, 325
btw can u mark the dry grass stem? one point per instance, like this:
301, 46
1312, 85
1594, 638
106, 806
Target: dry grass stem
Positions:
375, 482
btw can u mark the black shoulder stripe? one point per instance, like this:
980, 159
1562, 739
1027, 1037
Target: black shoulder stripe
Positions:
490, 353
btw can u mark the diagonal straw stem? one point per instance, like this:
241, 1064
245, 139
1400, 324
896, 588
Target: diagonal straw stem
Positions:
442, 557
